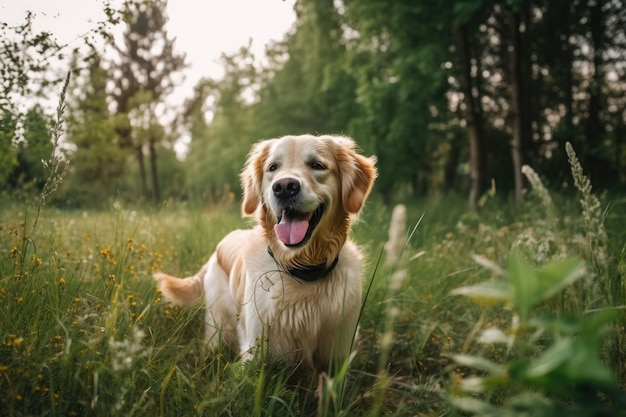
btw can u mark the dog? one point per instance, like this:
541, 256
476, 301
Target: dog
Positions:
294, 280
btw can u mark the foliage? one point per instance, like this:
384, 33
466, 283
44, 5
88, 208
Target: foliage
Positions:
141, 74
219, 148
554, 360
8, 152
391, 75
398, 77
97, 157
551, 349
84, 330
36, 146
101, 141
23, 58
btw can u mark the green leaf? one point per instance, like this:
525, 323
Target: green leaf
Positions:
532, 287
586, 367
558, 275
473, 384
532, 403
479, 363
525, 284
568, 361
475, 406
551, 359
486, 292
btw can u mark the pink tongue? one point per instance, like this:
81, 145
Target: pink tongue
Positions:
291, 231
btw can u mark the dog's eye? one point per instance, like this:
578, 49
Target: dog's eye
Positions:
272, 167
316, 165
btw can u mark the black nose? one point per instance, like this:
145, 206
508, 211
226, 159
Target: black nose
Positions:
286, 188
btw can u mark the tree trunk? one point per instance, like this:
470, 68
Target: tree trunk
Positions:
143, 182
568, 68
594, 130
156, 194
474, 118
517, 107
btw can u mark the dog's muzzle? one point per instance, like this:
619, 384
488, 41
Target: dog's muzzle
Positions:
295, 226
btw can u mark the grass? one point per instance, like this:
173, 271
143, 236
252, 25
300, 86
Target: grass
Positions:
83, 330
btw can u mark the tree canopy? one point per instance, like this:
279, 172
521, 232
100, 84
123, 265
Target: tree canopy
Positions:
450, 95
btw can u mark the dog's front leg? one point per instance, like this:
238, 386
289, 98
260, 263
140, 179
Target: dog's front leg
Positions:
221, 315
256, 317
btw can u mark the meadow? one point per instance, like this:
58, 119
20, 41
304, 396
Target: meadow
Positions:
503, 313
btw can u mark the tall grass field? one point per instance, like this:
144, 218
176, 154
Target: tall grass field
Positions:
505, 313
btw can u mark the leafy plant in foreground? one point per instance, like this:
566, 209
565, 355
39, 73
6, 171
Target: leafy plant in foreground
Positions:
552, 362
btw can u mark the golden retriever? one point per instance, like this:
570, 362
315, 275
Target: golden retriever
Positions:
294, 281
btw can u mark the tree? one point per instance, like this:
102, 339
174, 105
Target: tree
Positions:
519, 70
473, 116
307, 86
24, 56
222, 128
27, 71
447, 94
97, 157
35, 147
23, 61
8, 152
398, 53
146, 66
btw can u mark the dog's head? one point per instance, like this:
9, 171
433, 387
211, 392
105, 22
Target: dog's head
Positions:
304, 191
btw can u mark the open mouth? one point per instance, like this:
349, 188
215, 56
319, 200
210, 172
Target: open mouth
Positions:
294, 228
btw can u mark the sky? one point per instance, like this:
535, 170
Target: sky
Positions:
204, 29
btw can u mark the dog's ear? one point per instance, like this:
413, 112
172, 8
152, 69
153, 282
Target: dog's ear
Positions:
252, 177
357, 174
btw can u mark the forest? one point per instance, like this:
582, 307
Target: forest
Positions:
452, 97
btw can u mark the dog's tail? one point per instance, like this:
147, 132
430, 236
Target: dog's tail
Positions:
182, 291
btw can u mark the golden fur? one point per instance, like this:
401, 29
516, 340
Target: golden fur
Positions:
250, 296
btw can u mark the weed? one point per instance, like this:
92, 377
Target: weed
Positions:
554, 361
57, 167
562, 322
84, 331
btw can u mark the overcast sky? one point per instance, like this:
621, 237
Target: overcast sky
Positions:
203, 29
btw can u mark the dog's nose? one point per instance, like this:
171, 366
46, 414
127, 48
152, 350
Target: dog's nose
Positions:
285, 188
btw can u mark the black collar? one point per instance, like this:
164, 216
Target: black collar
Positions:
309, 273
